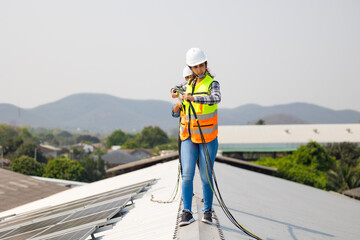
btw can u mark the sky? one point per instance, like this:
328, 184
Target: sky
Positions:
261, 52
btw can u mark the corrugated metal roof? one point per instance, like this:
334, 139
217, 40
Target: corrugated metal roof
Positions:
274, 208
283, 138
297, 133
270, 207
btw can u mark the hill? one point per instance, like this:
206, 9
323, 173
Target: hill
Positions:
106, 113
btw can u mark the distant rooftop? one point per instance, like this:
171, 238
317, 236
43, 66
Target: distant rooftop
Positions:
263, 138
17, 189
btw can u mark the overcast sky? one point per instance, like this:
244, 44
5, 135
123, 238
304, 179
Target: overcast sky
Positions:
263, 52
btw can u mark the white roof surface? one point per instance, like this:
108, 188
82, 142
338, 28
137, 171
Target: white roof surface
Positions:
274, 208
296, 133
270, 207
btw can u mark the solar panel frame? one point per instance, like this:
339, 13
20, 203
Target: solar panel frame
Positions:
38, 225
80, 234
23, 236
92, 220
95, 209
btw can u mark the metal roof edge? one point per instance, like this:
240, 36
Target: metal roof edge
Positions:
246, 165
143, 163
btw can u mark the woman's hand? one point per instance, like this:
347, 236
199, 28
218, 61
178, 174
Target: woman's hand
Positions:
188, 97
177, 107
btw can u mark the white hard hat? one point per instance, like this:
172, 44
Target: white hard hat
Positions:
195, 56
187, 71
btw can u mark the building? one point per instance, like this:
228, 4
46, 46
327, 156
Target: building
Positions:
118, 157
48, 150
139, 153
253, 141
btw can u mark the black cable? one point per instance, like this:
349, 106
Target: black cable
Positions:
218, 194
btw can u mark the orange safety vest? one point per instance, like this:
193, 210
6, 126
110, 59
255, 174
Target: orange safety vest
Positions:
206, 114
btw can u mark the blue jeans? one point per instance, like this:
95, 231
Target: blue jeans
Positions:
190, 152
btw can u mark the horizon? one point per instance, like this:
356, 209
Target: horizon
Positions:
172, 102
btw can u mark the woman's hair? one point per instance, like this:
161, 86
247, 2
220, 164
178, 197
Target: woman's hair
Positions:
207, 71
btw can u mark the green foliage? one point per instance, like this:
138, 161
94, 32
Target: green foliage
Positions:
346, 172
148, 138
314, 155
347, 153
7, 132
87, 138
260, 122
12, 144
64, 134
309, 165
118, 137
173, 145
152, 136
344, 177
94, 170
62, 168
27, 165
131, 144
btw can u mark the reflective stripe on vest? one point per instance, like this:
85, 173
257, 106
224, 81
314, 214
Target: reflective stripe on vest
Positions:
206, 115
202, 116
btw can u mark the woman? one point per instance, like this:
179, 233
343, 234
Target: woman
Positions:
188, 75
204, 94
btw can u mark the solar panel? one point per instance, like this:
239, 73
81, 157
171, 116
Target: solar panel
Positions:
71, 220
37, 225
74, 235
87, 211
23, 236
93, 220
5, 232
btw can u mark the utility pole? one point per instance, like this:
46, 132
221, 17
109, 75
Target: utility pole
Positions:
2, 155
35, 154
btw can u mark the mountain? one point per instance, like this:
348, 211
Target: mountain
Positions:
300, 112
106, 113
94, 112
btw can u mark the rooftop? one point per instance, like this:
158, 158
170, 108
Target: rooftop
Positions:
13, 185
284, 137
269, 207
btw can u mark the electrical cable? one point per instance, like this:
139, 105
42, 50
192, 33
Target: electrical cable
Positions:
216, 190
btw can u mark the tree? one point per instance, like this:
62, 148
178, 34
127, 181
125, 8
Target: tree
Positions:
152, 136
87, 138
260, 122
309, 165
28, 149
63, 168
130, 144
344, 177
346, 172
27, 165
12, 144
6, 132
118, 137
347, 153
315, 155
94, 170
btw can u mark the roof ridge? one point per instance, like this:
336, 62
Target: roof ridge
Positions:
198, 229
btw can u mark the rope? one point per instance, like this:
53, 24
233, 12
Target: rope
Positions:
174, 193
